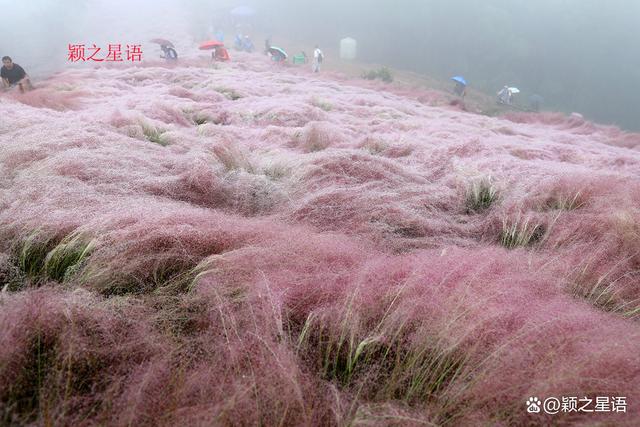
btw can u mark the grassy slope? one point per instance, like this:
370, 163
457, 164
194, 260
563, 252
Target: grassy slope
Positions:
258, 245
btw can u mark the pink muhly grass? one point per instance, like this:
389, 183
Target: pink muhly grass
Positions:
261, 246
150, 247
64, 356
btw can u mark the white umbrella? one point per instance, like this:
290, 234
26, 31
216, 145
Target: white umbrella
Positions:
514, 90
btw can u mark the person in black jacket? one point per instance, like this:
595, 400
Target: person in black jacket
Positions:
169, 53
14, 75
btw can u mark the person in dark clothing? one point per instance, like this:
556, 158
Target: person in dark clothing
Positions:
267, 45
14, 75
169, 53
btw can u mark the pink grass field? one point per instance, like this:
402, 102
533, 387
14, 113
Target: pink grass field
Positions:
251, 244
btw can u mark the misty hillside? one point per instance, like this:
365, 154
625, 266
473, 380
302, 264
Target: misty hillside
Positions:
579, 55
255, 244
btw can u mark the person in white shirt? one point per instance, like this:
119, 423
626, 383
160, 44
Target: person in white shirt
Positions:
318, 57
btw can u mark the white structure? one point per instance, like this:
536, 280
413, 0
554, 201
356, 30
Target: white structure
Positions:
348, 48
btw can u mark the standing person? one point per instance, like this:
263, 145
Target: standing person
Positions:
14, 75
267, 45
318, 57
247, 44
238, 43
504, 96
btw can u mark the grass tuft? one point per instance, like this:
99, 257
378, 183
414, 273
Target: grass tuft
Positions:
481, 195
388, 359
322, 104
564, 202
32, 253
605, 291
66, 258
200, 120
154, 135
521, 232
231, 94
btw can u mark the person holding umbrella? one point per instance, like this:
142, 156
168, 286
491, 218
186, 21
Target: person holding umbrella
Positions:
460, 88
504, 96
277, 54
169, 53
218, 51
318, 57
168, 49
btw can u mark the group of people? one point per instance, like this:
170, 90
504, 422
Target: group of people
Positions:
505, 96
13, 75
279, 55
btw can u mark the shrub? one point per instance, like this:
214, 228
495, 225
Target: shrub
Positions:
383, 74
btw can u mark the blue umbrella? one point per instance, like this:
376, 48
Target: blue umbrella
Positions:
460, 80
244, 11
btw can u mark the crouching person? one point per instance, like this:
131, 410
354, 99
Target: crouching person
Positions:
14, 75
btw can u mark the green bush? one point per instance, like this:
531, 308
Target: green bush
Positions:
383, 74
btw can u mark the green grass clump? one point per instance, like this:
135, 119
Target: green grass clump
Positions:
322, 104
32, 252
231, 94
200, 120
154, 135
40, 257
481, 195
374, 146
605, 291
521, 232
388, 359
66, 258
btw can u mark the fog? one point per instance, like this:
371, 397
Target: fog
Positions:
579, 55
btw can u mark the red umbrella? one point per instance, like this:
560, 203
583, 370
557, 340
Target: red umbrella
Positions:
211, 44
162, 42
